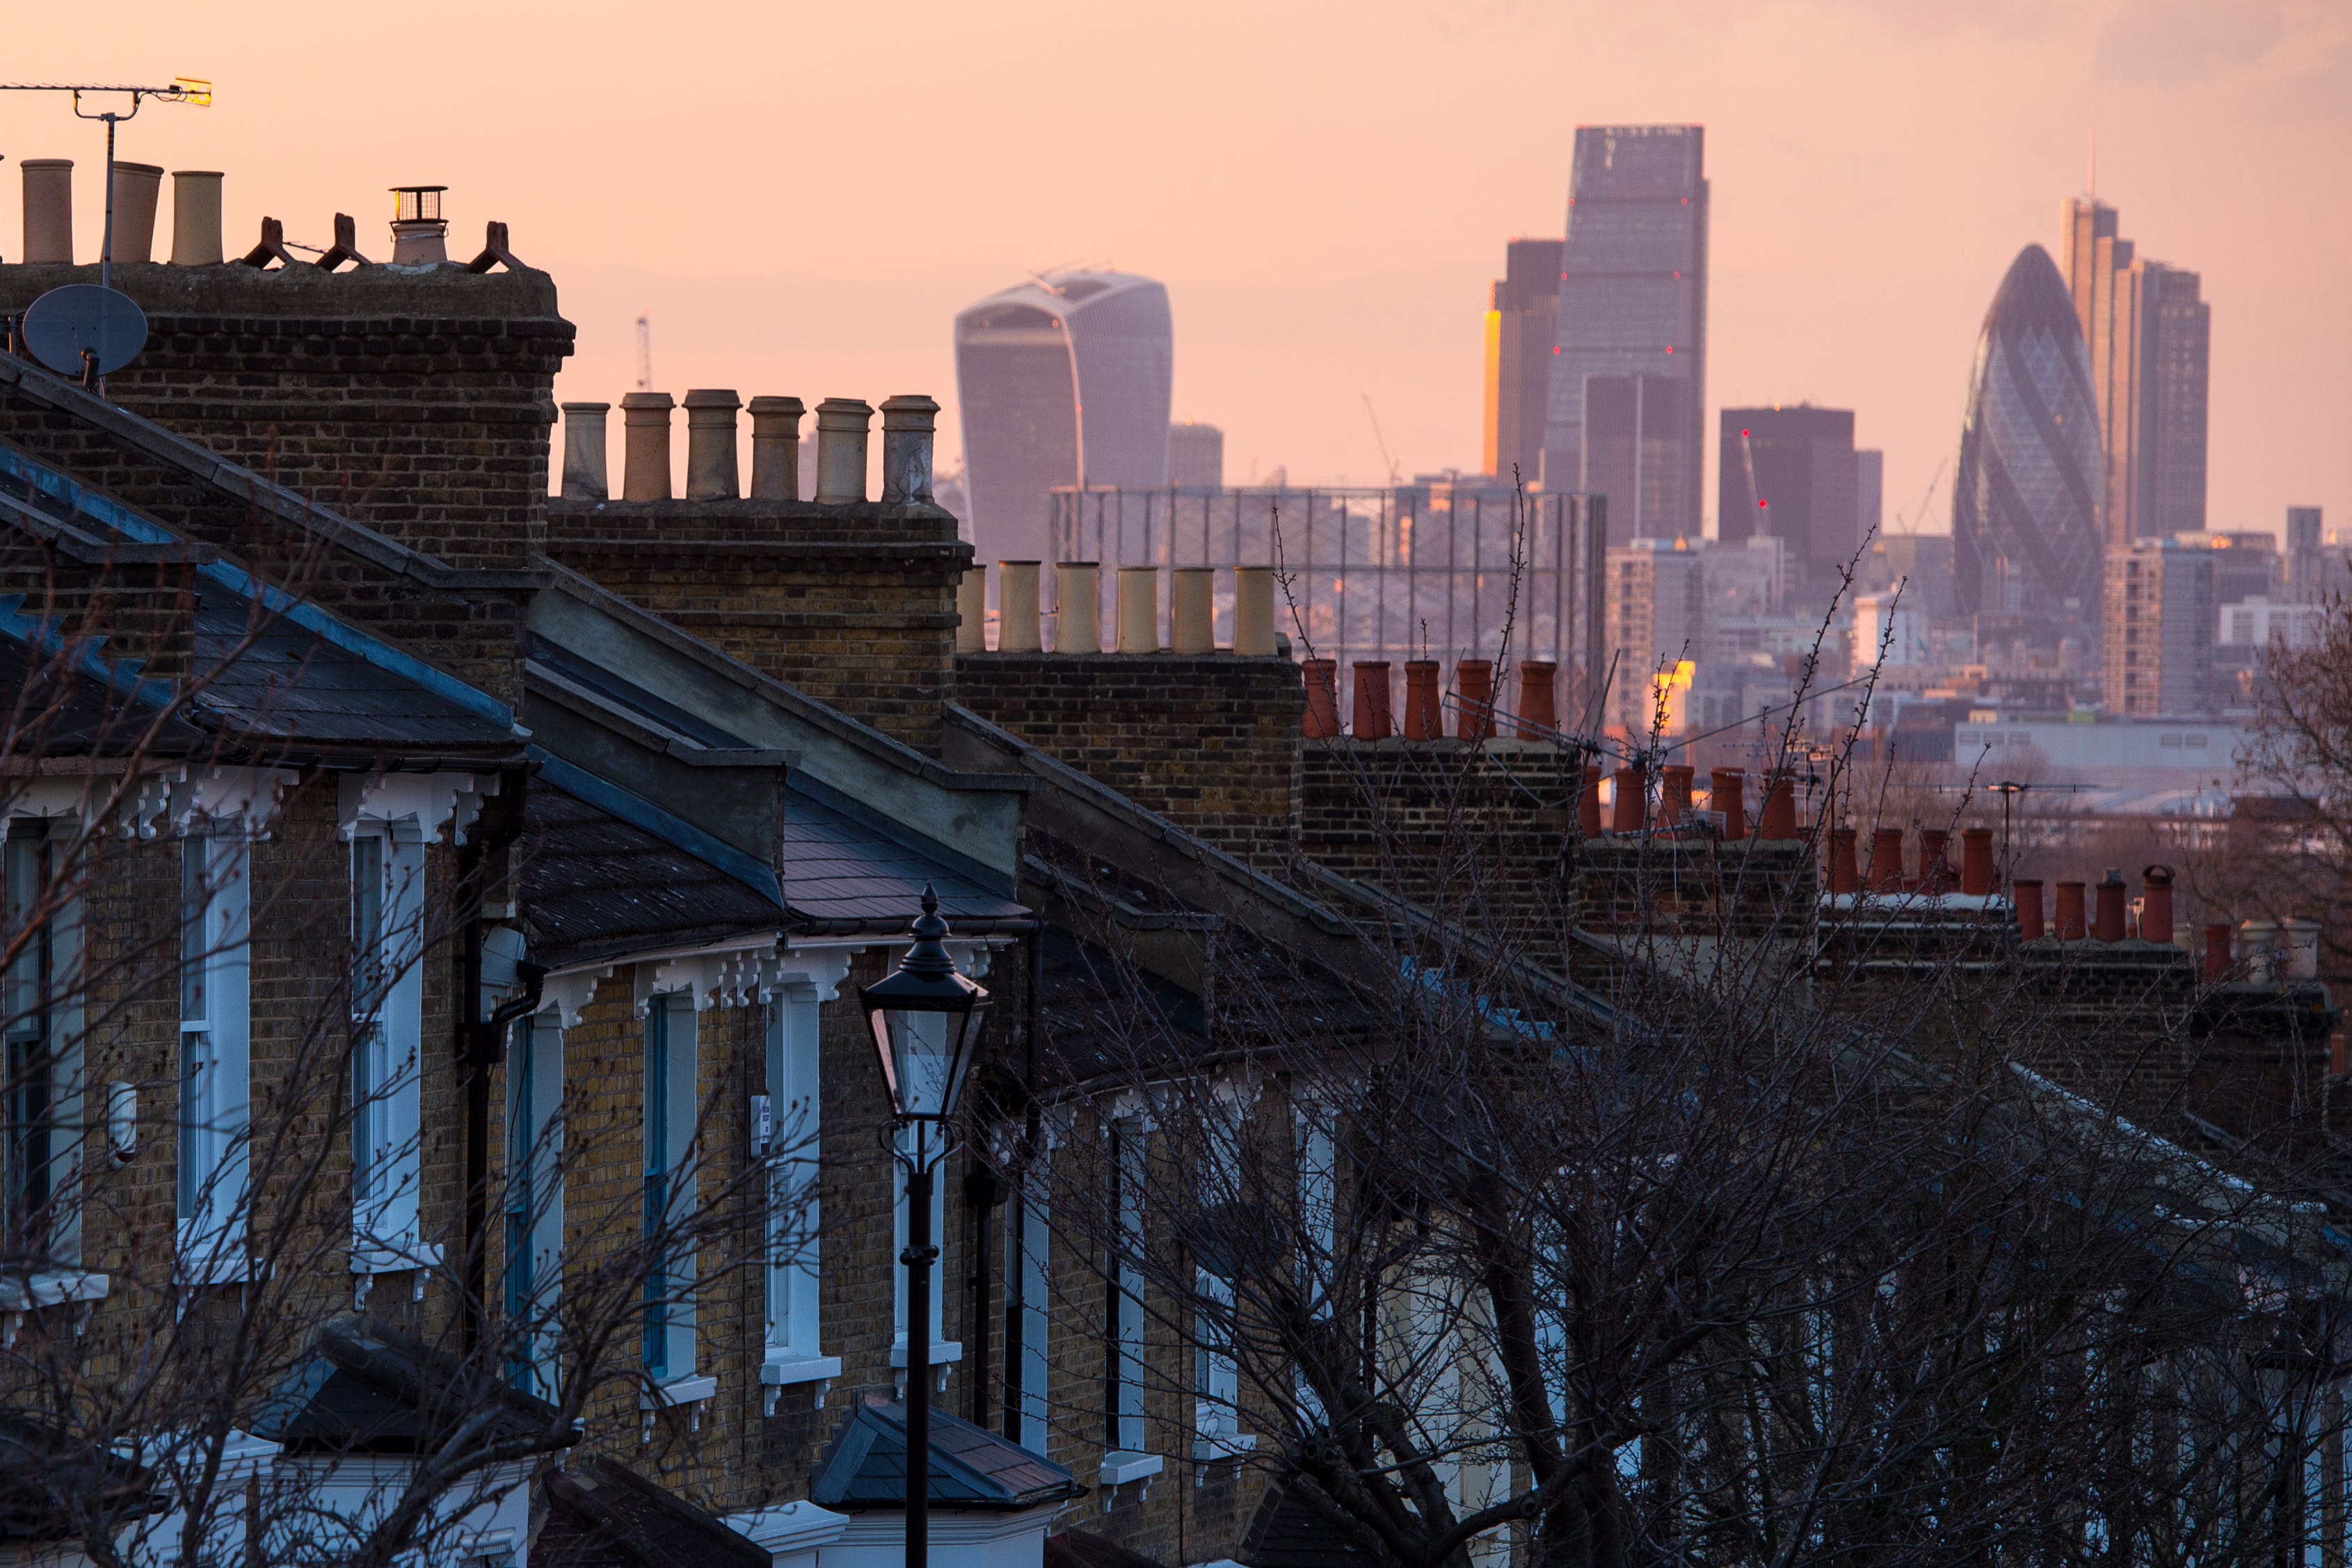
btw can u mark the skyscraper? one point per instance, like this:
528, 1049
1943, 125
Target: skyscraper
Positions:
1063, 380
1869, 492
2158, 626
2304, 570
1806, 478
2148, 335
1633, 303
1521, 327
1196, 455
2025, 499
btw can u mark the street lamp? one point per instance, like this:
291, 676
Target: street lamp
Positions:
926, 1020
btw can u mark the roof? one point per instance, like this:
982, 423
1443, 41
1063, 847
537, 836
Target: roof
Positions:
368, 1388
1085, 1549
970, 1467
844, 869
601, 1514
48, 1477
1290, 1532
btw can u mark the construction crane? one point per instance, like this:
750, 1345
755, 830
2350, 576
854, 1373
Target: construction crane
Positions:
184, 89
1383, 442
1763, 507
645, 352
1928, 495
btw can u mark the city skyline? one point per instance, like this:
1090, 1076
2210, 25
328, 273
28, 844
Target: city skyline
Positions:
1850, 267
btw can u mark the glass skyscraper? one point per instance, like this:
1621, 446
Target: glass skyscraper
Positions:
1063, 380
1626, 413
2025, 502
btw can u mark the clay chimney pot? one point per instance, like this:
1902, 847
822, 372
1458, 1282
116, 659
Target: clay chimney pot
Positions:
1375, 713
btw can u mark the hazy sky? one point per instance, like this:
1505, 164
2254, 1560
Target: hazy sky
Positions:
802, 196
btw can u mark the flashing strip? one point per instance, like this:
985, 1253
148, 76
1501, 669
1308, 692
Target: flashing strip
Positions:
638, 812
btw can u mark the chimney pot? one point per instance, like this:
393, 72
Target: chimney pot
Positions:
645, 446
908, 421
585, 476
840, 434
2156, 904
2108, 915
136, 186
1421, 717
1254, 611
1976, 862
1886, 861
776, 448
1192, 609
2028, 893
1630, 811
1322, 699
1375, 712
1474, 689
1845, 876
2258, 941
971, 610
1935, 871
1138, 612
48, 210
1727, 792
1675, 795
711, 472
196, 218
2072, 927
1539, 700
1077, 605
1588, 803
1016, 608
2217, 951
1776, 822
419, 232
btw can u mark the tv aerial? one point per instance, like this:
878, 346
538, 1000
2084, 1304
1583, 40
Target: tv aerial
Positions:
91, 329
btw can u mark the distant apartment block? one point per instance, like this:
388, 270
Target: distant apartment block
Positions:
2157, 623
2246, 564
2149, 334
1063, 380
1196, 455
1792, 471
2257, 624
1629, 365
2306, 552
1656, 612
1522, 325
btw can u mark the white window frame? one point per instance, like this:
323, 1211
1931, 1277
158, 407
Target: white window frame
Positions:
1030, 1244
945, 1352
795, 1350
534, 1207
387, 1057
677, 1380
214, 1056
1124, 1456
42, 1011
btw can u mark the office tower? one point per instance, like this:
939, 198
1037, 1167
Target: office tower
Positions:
2305, 553
1635, 439
2025, 498
2158, 626
1869, 492
1196, 455
1792, 471
2148, 335
1656, 609
1063, 380
1521, 326
1632, 304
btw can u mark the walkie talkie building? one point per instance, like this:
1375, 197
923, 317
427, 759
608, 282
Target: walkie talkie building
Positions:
1063, 380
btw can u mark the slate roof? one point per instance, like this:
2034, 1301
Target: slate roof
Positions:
971, 1466
46, 1473
601, 1514
368, 1388
845, 873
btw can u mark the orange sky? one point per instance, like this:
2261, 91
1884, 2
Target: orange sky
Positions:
802, 196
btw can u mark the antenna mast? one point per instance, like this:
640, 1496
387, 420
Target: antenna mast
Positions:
645, 352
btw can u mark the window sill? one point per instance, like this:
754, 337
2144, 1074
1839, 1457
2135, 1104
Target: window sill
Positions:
23, 1291
944, 1352
210, 1258
1122, 1466
375, 1258
784, 1370
1210, 1450
691, 1390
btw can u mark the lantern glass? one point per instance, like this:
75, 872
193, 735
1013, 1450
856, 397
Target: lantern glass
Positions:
926, 1020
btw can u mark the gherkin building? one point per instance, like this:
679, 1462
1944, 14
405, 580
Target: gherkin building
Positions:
2025, 503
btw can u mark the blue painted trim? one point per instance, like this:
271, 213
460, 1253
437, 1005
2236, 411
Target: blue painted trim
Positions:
114, 514
37, 633
638, 812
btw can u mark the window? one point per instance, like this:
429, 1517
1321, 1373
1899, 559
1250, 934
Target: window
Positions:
1027, 1242
40, 1022
943, 1351
669, 1183
1123, 1307
1223, 1226
534, 1207
794, 1350
214, 967
387, 1026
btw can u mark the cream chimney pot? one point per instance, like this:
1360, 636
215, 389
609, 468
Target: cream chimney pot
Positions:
971, 610
1077, 618
48, 210
711, 472
1192, 609
841, 436
645, 447
776, 448
584, 470
1138, 609
136, 186
1254, 611
1016, 608
197, 217
908, 421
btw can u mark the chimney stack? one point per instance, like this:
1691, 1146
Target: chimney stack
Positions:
1474, 689
1727, 792
1139, 615
645, 446
1539, 700
1630, 811
419, 232
711, 472
2071, 925
136, 186
1886, 861
776, 448
1976, 862
48, 210
2156, 904
2028, 893
840, 434
1191, 610
196, 218
1254, 611
972, 609
1077, 605
908, 421
1420, 704
585, 476
1016, 608
1845, 877
1322, 699
1375, 714
2107, 916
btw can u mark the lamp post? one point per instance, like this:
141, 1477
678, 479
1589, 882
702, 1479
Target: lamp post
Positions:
926, 1020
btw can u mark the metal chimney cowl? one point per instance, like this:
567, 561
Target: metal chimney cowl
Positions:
419, 232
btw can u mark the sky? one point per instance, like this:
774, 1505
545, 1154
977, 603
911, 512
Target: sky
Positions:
801, 196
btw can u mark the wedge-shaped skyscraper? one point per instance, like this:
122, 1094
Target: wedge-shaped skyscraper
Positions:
1063, 380
2025, 503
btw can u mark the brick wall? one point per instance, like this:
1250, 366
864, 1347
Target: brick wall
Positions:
1211, 742
1700, 887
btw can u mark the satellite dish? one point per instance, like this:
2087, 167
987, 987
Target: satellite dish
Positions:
63, 322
